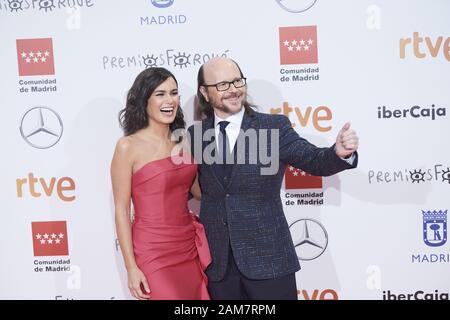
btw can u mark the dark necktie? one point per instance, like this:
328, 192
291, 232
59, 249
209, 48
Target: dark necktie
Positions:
224, 146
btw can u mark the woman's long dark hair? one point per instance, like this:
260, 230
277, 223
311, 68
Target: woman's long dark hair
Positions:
134, 116
204, 106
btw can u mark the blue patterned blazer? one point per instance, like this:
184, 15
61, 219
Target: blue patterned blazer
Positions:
247, 212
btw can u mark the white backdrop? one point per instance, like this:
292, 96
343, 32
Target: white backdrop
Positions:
66, 67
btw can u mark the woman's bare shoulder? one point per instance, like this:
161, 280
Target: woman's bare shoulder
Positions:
136, 147
125, 145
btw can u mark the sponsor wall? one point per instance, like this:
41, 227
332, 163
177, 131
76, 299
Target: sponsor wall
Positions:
376, 232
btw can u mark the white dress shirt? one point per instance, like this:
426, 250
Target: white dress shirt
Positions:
232, 129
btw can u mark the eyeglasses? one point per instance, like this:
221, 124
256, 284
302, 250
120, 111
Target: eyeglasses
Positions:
225, 85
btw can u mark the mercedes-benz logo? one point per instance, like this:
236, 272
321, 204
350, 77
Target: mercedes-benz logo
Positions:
310, 238
296, 6
41, 127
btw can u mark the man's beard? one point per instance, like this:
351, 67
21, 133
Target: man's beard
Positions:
222, 107
226, 109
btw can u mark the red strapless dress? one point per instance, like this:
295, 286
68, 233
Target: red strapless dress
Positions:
170, 244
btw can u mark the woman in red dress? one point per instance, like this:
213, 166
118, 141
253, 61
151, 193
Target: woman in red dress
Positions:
164, 245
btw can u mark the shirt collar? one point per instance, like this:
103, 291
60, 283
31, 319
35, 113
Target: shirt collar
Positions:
235, 119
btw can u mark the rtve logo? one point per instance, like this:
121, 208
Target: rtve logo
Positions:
317, 116
422, 51
64, 187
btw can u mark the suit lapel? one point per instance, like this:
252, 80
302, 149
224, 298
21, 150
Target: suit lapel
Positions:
208, 124
249, 121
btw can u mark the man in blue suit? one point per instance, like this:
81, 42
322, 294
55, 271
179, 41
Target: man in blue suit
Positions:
253, 256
